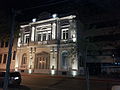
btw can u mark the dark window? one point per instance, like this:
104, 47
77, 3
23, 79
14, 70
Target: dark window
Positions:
49, 36
27, 40
44, 37
5, 58
2, 44
14, 54
39, 37
6, 44
0, 58
65, 34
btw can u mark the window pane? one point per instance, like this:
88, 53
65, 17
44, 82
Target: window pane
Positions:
14, 54
39, 37
27, 40
2, 44
5, 58
6, 44
49, 36
0, 58
44, 37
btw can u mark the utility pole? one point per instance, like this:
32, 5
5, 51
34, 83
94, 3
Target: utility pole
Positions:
6, 79
82, 49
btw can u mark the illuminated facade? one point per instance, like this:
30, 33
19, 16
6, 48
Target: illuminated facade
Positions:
48, 46
4, 54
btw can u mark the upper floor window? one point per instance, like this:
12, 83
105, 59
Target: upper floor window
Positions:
64, 33
14, 54
0, 58
49, 36
27, 39
44, 37
2, 44
6, 44
39, 37
5, 58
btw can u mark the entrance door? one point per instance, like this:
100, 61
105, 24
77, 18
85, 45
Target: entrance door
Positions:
42, 60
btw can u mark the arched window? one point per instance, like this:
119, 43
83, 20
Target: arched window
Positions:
64, 63
24, 60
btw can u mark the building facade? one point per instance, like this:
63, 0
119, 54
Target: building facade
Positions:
4, 47
48, 46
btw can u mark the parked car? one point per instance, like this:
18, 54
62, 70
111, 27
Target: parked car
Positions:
14, 78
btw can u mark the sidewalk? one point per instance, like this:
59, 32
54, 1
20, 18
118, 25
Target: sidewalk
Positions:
102, 79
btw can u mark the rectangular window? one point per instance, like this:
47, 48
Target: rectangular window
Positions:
27, 39
65, 34
49, 36
44, 37
6, 44
14, 54
39, 37
0, 58
2, 44
5, 58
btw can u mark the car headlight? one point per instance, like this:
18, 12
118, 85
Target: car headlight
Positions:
15, 78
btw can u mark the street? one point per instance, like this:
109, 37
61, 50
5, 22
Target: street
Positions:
41, 82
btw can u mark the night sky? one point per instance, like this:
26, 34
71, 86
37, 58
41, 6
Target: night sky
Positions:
33, 8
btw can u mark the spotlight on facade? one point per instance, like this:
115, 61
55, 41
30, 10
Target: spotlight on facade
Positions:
30, 71
34, 20
74, 73
54, 15
74, 39
52, 72
16, 69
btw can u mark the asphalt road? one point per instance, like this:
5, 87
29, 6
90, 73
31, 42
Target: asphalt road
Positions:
41, 82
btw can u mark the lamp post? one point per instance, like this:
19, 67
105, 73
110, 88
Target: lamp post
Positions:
6, 79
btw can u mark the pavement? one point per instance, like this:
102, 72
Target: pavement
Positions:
102, 79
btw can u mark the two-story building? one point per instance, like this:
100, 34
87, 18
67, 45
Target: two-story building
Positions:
48, 46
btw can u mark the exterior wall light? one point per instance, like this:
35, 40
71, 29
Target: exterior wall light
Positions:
74, 73
34, 20
54, 15
52, 71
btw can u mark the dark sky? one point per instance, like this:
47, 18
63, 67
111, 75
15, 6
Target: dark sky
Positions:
29, 9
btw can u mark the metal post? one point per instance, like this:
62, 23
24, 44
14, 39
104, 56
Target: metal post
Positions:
58, 44
6, 79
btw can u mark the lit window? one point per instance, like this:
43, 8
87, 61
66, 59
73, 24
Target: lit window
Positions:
5, 58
